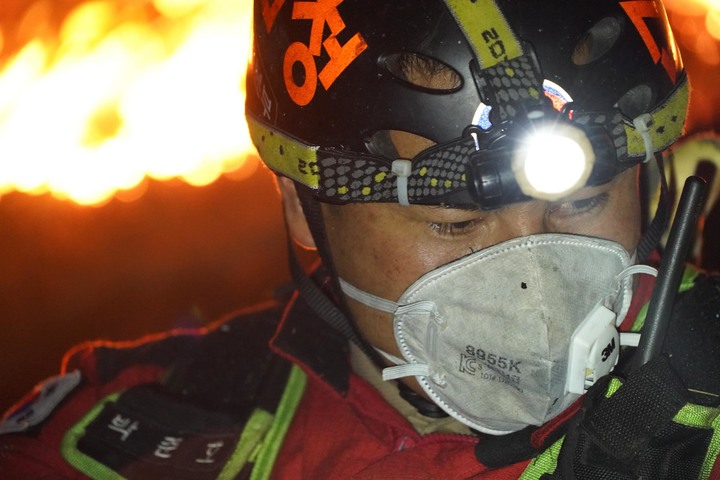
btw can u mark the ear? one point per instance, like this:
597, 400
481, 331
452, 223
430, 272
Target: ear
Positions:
294, 216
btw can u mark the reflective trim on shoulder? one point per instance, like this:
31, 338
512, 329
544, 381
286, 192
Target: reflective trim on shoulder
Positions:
544, 463
40, 403
82, 462
289, 402
142, 433
255, 430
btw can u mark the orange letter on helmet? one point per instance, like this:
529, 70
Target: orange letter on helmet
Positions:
340, 57
269, 12
300, 94
320, 12
638, 11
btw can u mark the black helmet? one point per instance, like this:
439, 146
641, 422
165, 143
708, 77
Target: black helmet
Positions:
328, 81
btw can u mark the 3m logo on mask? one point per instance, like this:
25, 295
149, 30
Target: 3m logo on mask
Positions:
489, 366
607, 351
302, 86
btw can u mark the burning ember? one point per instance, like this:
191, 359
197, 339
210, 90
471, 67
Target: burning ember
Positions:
119, 91
96, 99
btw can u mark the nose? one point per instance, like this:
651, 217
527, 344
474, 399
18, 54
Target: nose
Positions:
521, 220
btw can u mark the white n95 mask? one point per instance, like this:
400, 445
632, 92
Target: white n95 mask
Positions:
511, 335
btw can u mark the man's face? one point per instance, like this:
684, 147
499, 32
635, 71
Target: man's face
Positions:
383, 248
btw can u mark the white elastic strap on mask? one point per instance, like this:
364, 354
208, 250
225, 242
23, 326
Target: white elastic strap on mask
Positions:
629, 339
624, 282
402, 169
405, 370
632, 339
637, 269
390, 357
378, 303
642, 124
402, 368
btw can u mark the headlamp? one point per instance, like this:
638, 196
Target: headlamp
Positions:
543, 156
553, 161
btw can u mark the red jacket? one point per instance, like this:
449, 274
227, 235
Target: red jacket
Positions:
342, 429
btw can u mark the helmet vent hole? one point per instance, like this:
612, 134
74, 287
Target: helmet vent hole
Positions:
394, 144
597, 41
423, 72
636, 101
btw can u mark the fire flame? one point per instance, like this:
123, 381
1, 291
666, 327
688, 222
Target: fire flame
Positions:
124, 91
128, 90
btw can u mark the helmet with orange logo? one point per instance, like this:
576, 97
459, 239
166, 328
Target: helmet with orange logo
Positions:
332, 81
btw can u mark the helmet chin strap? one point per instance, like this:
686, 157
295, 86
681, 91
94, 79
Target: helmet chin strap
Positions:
423, 406
334, 313
329, 305
321, 304
651, 237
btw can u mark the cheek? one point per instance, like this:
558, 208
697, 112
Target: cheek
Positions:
621, 220
379, 251
629, 233
363, 248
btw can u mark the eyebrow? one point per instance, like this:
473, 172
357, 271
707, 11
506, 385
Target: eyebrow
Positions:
462, 206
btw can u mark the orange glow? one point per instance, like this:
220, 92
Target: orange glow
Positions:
119, 91
698, 21
123, 91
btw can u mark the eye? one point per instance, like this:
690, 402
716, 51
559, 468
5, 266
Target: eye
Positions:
453, 229
580, 206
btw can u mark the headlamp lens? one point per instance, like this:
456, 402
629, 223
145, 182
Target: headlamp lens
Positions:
553, 162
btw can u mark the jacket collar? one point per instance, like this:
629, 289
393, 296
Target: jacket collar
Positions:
307, 340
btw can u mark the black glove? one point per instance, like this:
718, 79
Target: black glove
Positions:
630, 434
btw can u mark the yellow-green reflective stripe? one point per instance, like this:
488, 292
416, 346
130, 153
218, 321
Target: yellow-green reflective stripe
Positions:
284, 154
487, 30
668, 122
544, 463
268, 452
83, 463
697, 416
687, 281
613, 386
252, 435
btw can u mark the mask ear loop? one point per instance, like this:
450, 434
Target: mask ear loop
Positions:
401, 368
632, 339
637, 269
368, 299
